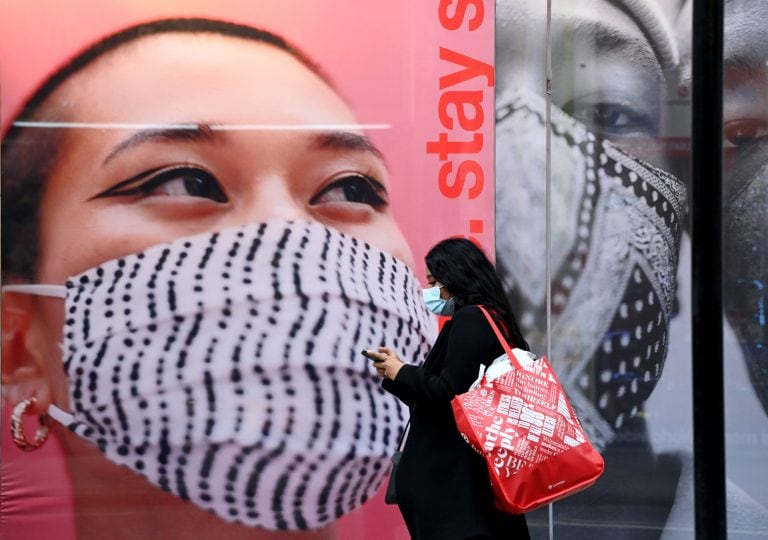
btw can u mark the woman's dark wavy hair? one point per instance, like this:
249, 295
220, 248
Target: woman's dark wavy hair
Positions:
29, 154
464, 269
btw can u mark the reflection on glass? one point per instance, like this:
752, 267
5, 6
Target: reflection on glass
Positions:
745, 213
616, 222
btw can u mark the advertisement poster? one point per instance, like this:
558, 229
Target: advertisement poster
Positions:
209, 209
609, 223
224, 202
612, 224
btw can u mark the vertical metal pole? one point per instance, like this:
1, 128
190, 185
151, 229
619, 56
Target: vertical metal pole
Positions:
548, 214
707, 260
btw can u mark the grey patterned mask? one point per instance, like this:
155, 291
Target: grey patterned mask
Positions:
616, 227
225, 368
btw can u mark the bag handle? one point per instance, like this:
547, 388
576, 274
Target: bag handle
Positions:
403, 435
516, 362
504, 344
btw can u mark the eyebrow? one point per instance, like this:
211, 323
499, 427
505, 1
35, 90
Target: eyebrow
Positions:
610, 38
202, 132
346, 140
746, 60
744, 54
175, 132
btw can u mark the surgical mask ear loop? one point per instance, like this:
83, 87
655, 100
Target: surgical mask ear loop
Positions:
54, 291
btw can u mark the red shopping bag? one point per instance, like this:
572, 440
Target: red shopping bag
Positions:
519, 419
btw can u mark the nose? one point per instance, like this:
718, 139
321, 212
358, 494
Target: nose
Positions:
272, 198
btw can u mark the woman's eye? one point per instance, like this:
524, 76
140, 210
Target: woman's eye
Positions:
353, 188
612, 119
744, 131
175, 182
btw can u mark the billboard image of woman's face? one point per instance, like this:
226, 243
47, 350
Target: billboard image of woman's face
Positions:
199, 236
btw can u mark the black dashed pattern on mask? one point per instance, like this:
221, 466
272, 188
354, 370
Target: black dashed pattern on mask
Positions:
226, 368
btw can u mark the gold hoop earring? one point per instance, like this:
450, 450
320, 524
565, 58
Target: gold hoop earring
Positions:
17, 427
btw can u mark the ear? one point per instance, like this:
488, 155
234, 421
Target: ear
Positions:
24, 372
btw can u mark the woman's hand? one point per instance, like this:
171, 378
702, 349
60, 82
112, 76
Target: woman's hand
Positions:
386, 362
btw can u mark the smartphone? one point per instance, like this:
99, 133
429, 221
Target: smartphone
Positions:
365, 353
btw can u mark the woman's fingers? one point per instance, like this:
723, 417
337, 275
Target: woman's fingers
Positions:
386, 363
388, 353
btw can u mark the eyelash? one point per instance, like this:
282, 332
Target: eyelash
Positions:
371, 191
743, 132
359, 186
154, 178
590, 114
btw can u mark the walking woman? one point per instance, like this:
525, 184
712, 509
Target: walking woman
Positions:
443, 489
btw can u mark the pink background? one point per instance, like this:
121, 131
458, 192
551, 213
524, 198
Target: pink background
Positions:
385, 59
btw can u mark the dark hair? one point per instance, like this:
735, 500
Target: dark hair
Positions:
29, 154
464, 269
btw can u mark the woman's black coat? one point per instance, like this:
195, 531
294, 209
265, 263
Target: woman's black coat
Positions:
442, 485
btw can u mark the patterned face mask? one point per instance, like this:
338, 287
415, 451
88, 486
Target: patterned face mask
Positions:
225, 368
615, 231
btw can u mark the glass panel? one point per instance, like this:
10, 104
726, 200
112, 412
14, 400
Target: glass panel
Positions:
615, 219
745, 198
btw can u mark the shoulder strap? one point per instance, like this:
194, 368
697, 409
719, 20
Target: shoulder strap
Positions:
501, 339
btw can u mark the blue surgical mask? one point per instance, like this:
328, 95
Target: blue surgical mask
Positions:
435, 304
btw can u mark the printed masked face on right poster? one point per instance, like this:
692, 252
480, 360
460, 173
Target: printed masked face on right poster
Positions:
611, 223
607, 224
745, 271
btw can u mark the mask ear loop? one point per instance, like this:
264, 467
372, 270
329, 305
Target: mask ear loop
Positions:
55, 291
64, 418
